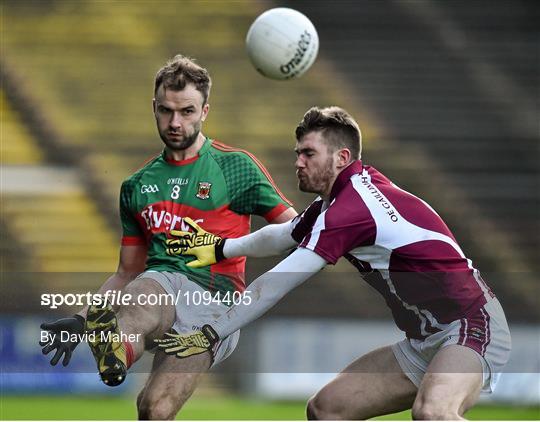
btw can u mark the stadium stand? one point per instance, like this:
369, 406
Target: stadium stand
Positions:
21, 152
49, 224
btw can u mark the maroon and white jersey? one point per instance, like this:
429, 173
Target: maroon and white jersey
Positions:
400, 245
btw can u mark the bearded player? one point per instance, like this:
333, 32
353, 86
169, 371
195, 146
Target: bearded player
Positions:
195, 177
456, 336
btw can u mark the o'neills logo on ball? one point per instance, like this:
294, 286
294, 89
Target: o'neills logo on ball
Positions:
303, 45
204, 190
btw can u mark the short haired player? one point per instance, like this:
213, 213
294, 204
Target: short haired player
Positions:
194, 177
456, 336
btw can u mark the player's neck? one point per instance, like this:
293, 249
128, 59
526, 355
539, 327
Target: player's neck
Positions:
325, 196
186, 154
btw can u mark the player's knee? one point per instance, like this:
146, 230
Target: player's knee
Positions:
312, 410
160, 409
320, 407
140, 288
429, 411
140, 398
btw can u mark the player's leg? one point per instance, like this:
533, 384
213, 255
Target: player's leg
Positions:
171, 383
173, 380
471, 359
373, 385
138, 321
149, 321
450, 386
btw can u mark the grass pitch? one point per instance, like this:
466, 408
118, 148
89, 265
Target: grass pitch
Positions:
200, 408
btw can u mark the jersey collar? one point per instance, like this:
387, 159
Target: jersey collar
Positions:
343, 178
204, 148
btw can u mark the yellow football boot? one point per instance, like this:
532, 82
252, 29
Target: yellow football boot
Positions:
104, 341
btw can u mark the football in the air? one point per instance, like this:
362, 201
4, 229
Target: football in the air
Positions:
282, 43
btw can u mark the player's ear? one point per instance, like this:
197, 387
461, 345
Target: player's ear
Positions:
205, 110
154, 105
344, 157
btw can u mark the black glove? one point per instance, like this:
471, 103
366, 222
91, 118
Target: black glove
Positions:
72, 325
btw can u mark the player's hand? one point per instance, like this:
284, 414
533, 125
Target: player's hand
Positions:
185, 345
72, 325
206, 247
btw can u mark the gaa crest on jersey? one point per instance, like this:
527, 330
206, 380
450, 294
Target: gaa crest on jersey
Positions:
203, 192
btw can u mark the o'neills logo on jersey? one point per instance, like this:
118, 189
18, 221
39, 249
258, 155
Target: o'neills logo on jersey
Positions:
160, 220
204, 190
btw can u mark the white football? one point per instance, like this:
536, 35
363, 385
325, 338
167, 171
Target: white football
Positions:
282, 43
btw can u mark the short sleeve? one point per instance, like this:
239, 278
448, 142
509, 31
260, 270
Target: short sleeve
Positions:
251, 188
131, 231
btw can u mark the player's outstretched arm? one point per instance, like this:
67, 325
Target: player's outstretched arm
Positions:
269, 289
131, 264
271, 240
208, 248
265, 292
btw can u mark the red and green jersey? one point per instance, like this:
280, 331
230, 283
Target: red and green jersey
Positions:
219, 189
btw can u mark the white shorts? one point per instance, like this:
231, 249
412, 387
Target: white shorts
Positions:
192, 314
485, 332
